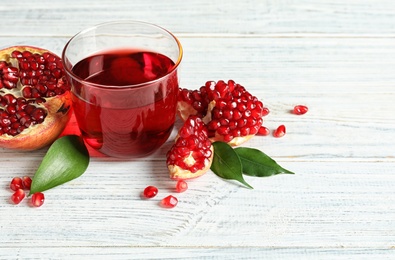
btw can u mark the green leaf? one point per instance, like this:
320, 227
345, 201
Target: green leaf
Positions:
226, 163
66, 159
256, 163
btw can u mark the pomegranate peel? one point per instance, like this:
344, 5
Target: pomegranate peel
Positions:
34, 98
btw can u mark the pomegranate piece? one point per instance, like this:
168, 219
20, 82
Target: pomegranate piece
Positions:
34, 98
181, 186
280, 131
169, 201
300, 110
192, 154
150, 192
38, 199
16, 184
27, 182
230, 112
18, 196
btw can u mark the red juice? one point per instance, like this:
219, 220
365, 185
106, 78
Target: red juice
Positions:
135, 113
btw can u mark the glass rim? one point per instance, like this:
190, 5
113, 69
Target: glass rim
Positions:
113, 87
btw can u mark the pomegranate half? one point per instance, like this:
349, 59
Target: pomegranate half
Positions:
35, 100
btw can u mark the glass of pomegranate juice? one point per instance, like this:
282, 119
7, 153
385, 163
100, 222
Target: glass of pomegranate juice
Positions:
124, 86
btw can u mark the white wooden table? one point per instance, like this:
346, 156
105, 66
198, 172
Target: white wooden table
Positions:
336, 57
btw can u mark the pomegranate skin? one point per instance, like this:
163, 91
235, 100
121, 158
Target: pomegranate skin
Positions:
57, 107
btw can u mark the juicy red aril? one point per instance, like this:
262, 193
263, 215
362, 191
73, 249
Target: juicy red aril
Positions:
18, 196
265, 111
150, 192
300, 110
169, 201
27, 182
181, 186
280, 131
263, 131
38, 199
16, 184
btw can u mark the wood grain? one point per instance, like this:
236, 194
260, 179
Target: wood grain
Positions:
336, 57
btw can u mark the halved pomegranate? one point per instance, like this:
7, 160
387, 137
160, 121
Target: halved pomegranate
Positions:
192, 154
230, 112
34, 98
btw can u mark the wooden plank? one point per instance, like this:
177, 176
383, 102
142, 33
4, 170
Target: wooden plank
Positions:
326, 205
278, 65
351, 18
198, 253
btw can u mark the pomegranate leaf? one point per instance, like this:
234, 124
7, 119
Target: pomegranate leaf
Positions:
226, 163
258, 164
66, 159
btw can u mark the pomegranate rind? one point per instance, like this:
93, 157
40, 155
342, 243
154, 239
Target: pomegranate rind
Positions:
58, 114
236, 141
178, 173
184, 110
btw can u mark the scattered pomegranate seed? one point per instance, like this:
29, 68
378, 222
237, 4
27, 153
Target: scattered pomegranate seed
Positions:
27, 182
16, 184
38, 199
263, 131
181, 186
150, 192
18, 196
279, 132
300, 110
169, 201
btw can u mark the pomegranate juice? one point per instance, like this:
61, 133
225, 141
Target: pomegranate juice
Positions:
135, 113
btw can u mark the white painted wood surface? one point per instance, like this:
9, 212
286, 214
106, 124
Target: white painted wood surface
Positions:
336, 57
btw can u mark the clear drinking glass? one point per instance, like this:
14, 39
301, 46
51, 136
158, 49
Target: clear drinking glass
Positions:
124, 78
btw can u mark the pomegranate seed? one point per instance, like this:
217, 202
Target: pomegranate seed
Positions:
263, 131
300, 110
150, 192
280, 131
169, 201
265, 111
38, 199
27, 182
18, 196
181, 186
16, 184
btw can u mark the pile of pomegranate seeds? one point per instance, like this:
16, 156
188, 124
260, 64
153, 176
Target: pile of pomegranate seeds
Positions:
170, 201
19, 185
